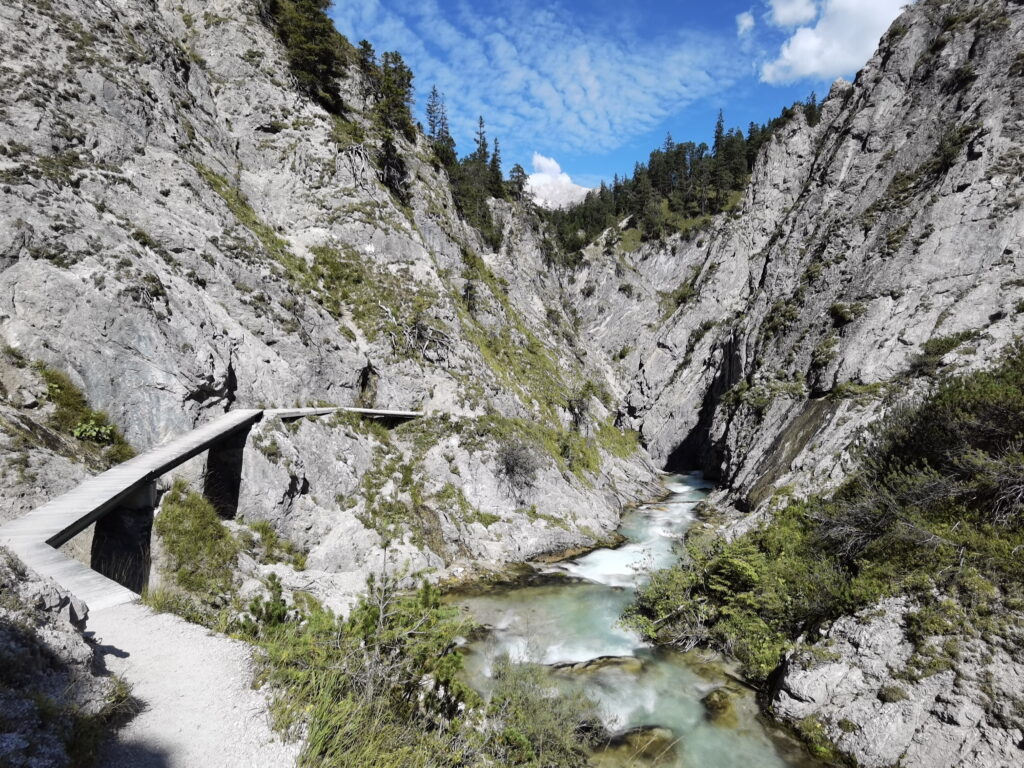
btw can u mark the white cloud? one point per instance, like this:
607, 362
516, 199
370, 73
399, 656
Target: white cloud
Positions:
841, 41
789, 13
541, 76
744, 23
550, 186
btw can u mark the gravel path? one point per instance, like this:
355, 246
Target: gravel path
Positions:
201, 710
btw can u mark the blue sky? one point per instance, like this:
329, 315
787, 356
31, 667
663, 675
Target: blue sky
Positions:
589, 87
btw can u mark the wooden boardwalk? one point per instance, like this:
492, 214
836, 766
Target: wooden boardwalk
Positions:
34, 536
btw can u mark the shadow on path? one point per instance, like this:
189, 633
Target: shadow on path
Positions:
117, 754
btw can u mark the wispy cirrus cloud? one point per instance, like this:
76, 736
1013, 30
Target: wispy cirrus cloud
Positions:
745, 23
537, 75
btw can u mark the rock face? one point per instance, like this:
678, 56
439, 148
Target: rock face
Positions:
46, 676
894, 221
873, 250
185, 232
874, 713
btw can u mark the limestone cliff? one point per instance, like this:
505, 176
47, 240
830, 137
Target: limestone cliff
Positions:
873, 252
184, 231
895, 221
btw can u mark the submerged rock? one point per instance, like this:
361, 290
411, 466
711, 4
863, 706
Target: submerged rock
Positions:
652, 744
720, 709
629, 664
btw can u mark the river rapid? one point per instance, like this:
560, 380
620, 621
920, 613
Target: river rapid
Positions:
569, 621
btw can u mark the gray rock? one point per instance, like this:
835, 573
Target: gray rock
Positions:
880, 718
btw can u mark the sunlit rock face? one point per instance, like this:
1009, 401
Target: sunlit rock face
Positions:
893, 221
184, 233
872, 251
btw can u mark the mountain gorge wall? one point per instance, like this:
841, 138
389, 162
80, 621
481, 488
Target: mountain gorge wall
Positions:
870, 249
184, 232
874, 253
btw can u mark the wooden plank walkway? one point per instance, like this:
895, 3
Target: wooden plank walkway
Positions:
34, 536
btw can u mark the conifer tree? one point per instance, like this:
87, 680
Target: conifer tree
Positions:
314, 48
395, 94
495, 180
434, 108
719, 132
480, 154
517, 179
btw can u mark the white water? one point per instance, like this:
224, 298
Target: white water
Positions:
576, 619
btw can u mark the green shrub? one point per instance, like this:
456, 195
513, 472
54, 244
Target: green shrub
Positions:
317, 53
890, 694
685, 293
825, 352
843, 314
539, 729
201, 549
74, 417
383, 688
932, 351
273, 548
94, 432
812, 731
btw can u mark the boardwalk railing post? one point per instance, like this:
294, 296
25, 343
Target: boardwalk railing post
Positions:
121, 540
223, 480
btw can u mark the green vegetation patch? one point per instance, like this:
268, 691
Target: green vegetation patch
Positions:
268, 546
681, 296
933, 511
622, 443
383, 689
238, 204
74, 417
317, 53
381, 302
518, 359
927, 363
202, 551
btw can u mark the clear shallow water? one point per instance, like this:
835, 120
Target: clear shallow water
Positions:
574, 619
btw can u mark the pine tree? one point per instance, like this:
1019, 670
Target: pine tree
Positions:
367, 57
395, 93
440, 133
517, 179
719, 132
314, 48
434, 108
480, 154
495, 181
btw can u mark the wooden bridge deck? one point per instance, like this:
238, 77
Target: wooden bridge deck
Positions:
34, 536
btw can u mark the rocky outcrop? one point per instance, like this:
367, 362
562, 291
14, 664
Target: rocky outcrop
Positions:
48, 689
857, 679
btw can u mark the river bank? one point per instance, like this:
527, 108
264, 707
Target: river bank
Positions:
661, 707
